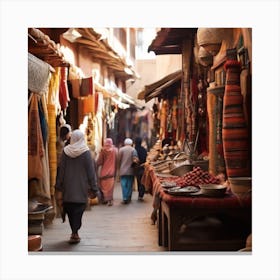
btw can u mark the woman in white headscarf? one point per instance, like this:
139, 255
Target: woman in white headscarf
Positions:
75, 179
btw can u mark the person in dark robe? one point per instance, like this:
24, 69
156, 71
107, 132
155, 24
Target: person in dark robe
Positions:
142, 155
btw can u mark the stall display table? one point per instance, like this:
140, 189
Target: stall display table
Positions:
208, 223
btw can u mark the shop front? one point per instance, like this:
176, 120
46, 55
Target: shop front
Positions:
213, 138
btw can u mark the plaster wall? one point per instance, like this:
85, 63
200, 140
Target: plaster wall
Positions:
150, 71
166, 64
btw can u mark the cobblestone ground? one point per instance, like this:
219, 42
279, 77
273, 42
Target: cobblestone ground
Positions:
114, 230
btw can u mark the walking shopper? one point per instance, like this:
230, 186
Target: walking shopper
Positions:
142, 155
64, 139
76, 175
107, 159
127, 154
65, 134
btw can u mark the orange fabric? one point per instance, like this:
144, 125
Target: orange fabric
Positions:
88, 104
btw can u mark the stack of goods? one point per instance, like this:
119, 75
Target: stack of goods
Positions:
163, 166
195, 182
195, 177
154, 152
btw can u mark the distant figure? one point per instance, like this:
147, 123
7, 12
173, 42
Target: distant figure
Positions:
76, 177
65, 134
107, 159
142, 155
64, 140
127, 154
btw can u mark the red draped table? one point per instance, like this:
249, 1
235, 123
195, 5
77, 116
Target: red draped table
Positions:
175, 211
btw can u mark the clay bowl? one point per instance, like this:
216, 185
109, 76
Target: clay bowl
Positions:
203, 164
240, 185
214, 190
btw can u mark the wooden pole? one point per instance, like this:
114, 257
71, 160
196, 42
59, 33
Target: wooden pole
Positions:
185, 92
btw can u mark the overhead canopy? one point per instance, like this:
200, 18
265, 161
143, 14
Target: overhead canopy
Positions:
169, 40
41, 46
90, 40
156, 89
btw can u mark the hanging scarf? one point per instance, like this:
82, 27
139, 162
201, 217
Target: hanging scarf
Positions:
77, 144
35, 140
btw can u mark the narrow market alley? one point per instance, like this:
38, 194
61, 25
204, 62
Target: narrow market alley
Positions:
133, 140
117, 229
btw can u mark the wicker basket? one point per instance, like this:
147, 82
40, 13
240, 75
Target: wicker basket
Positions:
211, 38
204, 57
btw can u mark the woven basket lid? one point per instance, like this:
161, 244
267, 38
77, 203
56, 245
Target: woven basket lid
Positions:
211, 38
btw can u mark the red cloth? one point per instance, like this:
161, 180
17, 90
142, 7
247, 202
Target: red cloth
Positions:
87, 87
229, 201
63, 89
76, 87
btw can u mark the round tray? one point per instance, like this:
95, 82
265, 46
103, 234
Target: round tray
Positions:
165, 175
213, 190
184, 191
168, 184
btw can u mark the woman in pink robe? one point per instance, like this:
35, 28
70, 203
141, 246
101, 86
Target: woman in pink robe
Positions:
107, 160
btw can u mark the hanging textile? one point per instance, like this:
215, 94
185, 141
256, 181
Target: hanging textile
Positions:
52, 146
235, 130
53, 107
85, 106
43, 123
90, 131
53, 93
63, 89
174, 114
46, 173
163, 119
76, 87
212, 116
87, 87
99, 123
75, 79
96, 102
35, 140
81, 114
88, 104
38, 74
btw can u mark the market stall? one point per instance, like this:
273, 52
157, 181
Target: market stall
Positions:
193, 220
59, 93
212, 134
